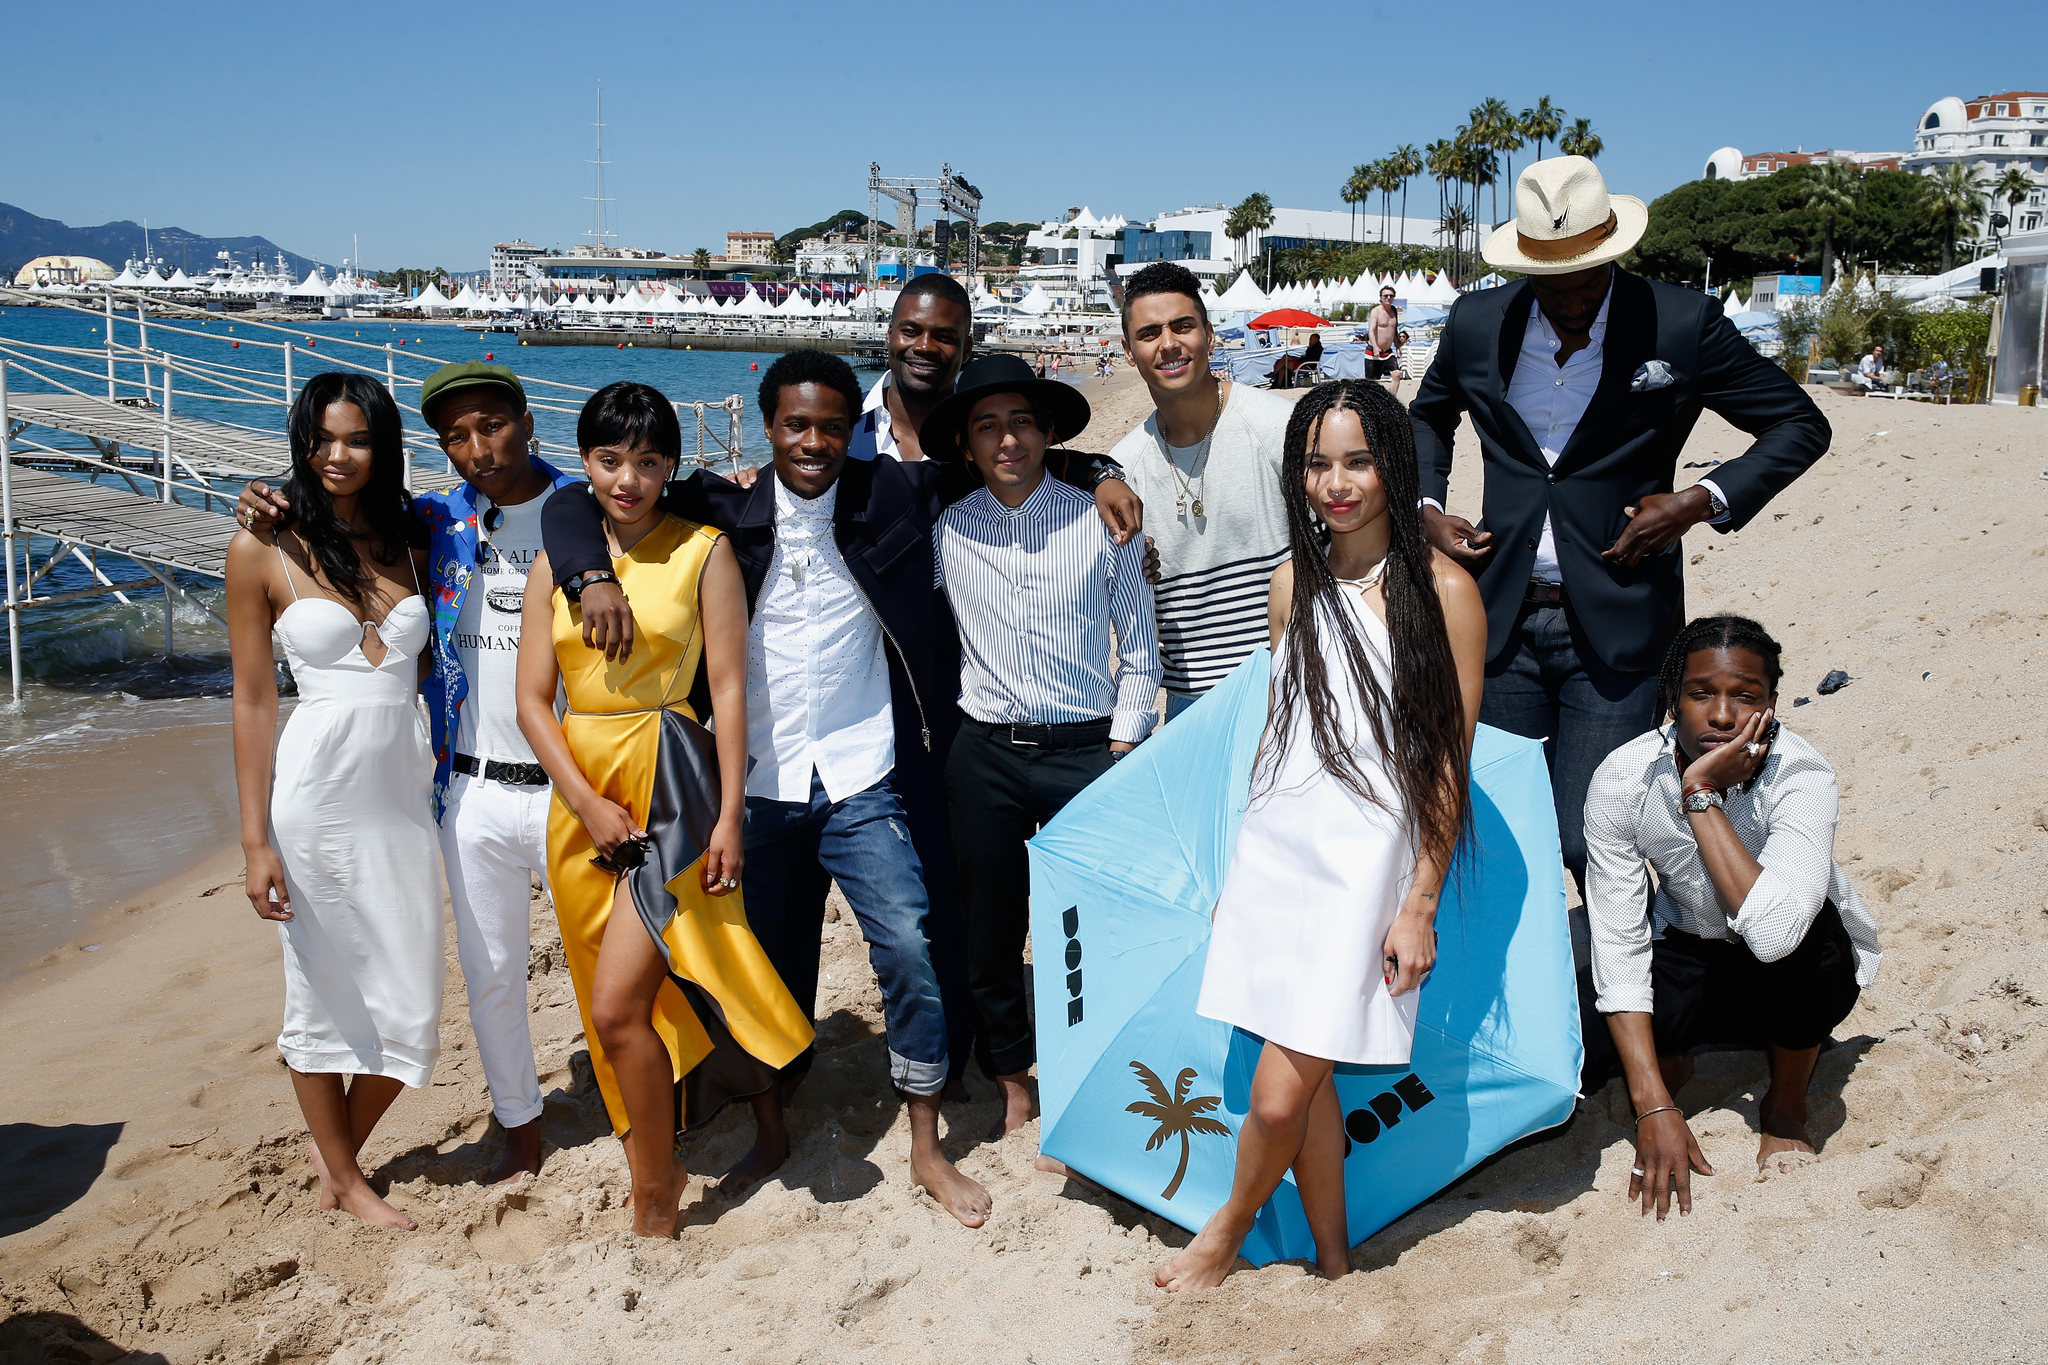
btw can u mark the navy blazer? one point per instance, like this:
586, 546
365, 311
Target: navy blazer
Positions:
1626, 447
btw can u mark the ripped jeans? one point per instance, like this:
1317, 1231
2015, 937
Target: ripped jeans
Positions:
795, 851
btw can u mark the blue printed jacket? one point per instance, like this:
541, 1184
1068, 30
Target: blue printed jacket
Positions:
450, 519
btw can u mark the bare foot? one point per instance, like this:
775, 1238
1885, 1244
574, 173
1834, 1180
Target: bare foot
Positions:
1018, 1108
1052, 1166
762, 1160
522, 1155
654, 1208
960, 1196
327, 1200
1784, 1134
1210, 1257
364, 1203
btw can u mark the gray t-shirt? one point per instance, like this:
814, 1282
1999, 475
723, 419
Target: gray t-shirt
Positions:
1213, 569
487, 637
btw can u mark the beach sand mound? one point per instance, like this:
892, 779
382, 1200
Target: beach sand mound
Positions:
157, 1204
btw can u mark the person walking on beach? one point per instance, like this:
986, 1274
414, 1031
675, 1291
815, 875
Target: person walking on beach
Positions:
490, 793
336, 823
1207, 465
682, 1011
1751, 933
1356, 807
1583, 382
1044, 597
853, 667
1382, 340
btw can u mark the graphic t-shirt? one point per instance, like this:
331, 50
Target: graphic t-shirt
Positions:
487, 633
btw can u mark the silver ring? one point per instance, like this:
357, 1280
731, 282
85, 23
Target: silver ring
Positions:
1753, 750
1638, 1172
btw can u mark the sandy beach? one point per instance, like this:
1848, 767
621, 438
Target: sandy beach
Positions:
156, 1203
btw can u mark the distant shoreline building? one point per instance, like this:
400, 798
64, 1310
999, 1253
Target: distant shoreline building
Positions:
1730, 164
509, 260
1994, 133
750, 247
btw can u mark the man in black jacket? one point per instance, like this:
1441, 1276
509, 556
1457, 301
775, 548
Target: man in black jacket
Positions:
1583, 382
881, 514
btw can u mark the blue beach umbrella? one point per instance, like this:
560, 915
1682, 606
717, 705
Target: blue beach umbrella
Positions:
1144, 1096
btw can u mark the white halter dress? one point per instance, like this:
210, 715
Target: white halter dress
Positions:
1316, 878
351, 818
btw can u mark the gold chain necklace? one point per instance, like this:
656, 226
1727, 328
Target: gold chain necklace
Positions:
1180, 478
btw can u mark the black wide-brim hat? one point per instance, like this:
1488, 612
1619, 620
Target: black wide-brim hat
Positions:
993, 374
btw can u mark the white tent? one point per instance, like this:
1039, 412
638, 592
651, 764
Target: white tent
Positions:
1085, 220
665, 304
752, 305
1960, 283
153, 281
429, 300
1036, 302
1733, 304
180, 280
467, 298
523, 304
126, 279
1244, 295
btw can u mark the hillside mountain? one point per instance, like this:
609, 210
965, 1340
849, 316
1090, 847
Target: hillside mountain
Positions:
23, 237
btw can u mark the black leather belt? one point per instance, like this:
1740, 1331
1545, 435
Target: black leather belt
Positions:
1079, 734
1541, 594
512, 774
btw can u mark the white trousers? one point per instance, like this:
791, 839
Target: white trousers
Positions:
492, 837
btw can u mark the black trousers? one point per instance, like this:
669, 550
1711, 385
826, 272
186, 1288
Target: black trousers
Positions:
998, 793
1711, 990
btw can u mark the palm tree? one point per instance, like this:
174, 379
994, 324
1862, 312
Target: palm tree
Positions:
1439, 159
1177, 1116
1542, 123
1354, 191
700, 259
1502, 133
1833, 190
1455, 223
1581, 140
2011, 187
1408, 163
1959, 195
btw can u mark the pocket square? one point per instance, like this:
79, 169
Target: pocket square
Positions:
1652, 374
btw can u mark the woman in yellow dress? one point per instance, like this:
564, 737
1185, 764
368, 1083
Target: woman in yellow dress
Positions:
681, 1009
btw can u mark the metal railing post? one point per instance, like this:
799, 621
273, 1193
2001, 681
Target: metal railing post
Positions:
110, 345
391, 387
167, 440
287, 378
142, 346
7, 520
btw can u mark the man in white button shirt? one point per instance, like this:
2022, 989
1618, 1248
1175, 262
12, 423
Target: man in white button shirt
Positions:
1583, 382
1751, 934
1044, 598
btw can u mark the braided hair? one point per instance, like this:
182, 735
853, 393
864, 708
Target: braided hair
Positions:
1420, 728
1713, 632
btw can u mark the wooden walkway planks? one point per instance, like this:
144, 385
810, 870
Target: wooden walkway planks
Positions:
112, 519
216, 449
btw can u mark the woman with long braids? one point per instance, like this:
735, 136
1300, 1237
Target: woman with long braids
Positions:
1753, 934
1358, 800
337, 825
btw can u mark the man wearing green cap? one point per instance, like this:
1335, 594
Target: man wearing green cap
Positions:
490, 794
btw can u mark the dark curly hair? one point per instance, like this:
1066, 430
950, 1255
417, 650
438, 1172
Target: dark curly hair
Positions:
810, 367
628, 415
384, 512
1713, 632
1420, 728
1163, 277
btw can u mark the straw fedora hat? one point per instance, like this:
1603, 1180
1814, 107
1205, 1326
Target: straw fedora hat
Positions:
1565, 220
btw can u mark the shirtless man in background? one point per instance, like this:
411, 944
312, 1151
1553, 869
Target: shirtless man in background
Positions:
1382, 334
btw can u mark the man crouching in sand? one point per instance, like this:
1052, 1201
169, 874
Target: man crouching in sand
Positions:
1753, 934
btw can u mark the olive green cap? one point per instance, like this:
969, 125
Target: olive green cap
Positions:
468, 374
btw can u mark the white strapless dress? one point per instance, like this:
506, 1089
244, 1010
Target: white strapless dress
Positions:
1315, 880
351, 817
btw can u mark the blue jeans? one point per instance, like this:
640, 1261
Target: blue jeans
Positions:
1176, 703
1548, 684
795, 850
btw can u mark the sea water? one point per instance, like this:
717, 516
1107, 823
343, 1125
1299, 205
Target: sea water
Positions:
116, 769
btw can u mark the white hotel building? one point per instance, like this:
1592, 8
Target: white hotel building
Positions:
1993, 133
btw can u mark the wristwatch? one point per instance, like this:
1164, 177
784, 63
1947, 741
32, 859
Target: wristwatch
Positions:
573, 588
1700, 801
1715, 507
1109, 471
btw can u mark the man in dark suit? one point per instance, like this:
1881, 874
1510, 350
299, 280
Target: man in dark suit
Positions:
1583, 382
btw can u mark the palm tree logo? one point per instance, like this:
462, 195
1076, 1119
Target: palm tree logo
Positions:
1177, 1116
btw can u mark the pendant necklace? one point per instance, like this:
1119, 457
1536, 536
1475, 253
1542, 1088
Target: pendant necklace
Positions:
1180, 478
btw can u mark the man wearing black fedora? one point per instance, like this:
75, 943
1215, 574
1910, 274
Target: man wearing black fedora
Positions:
1043, 596
1583, 382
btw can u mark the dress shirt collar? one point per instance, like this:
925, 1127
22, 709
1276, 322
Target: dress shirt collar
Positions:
791, 508
874, 410
1036, 507
1547, 335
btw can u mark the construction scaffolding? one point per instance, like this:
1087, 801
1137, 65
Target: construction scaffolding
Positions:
946, 193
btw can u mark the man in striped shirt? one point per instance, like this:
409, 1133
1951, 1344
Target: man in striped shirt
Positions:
1206, 466
1043, 596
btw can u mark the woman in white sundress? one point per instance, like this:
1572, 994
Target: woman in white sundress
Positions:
1325, 927
338, 831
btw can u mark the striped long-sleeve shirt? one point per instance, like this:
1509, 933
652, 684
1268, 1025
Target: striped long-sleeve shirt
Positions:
1036, 592
1214, 569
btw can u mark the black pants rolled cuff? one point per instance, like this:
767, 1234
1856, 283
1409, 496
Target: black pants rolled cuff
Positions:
1717, 991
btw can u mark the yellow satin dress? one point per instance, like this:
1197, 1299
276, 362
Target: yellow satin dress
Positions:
722, 997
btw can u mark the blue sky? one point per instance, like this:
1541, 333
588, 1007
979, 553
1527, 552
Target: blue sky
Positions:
432, 130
